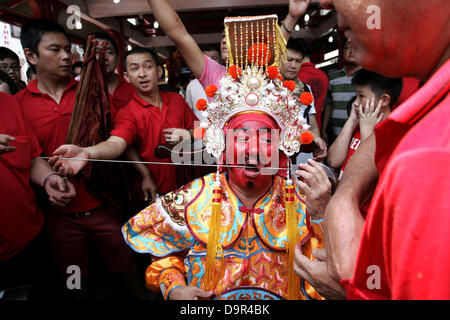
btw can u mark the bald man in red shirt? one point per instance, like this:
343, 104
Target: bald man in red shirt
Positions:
401, 250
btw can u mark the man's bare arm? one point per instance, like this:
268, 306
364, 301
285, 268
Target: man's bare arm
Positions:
174, 28
343, 220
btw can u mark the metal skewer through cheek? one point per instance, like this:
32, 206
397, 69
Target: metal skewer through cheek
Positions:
160, 163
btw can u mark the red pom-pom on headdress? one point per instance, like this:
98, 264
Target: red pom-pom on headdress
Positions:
290, 84
306, 98
272, 72
235, 72
201, 104
306, 137
211, 90
259, 53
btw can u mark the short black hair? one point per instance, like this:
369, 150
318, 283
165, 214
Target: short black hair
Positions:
32, 32
106, 36
299, 45
8, 53
77, 64
379, 84
4, 77
209, 47
143, 50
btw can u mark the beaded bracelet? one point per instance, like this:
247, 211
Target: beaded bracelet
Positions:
284, 26
48, 177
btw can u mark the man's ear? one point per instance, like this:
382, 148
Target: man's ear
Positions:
385, 101
160, 72
125, 75
30, 56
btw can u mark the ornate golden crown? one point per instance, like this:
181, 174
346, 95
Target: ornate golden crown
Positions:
253, 84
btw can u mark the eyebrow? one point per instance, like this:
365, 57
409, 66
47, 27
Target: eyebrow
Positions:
137, 63
247, 128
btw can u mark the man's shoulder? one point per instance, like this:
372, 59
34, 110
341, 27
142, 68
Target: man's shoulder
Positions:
335, 73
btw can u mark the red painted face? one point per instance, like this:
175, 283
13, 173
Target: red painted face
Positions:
252, 141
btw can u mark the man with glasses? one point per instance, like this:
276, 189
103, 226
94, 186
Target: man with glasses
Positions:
10, 63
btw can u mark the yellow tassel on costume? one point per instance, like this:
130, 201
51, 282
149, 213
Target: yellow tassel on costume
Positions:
292, 235
213, 248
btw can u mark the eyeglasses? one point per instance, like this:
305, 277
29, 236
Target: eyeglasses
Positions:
5, 67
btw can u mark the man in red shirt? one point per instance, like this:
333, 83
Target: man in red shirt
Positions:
315, 78
47, 104
120, 90
151, 118
20, 219
401, 250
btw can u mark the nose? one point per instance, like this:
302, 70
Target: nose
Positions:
66, 55
253, 149
141, 72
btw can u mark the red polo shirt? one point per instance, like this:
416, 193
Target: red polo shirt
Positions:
20, 218
123, 93
141, 124
319, 83
405, 239
50, 122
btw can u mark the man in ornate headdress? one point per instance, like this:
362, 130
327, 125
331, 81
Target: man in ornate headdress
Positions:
232, 234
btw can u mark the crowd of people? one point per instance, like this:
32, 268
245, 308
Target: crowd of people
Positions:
357, 211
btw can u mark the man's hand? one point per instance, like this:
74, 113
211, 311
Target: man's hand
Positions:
316, 273
174, 135
320, 150
297, 8
149, 188
4, 144
68, 166
189, 293
369, 117
60, 190
315, 185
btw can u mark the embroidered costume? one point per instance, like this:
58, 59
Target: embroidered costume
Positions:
175, 229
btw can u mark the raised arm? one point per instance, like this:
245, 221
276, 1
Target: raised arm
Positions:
339, 149
297, 8
174, 28
343, 220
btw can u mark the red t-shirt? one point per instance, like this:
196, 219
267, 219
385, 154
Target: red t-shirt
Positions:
50, 122
20, 218
406, 231
141, 124
319, 83
123, 93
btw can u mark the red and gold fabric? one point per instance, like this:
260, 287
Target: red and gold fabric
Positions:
254, 263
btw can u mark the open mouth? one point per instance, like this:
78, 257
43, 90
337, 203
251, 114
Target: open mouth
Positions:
252, 168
